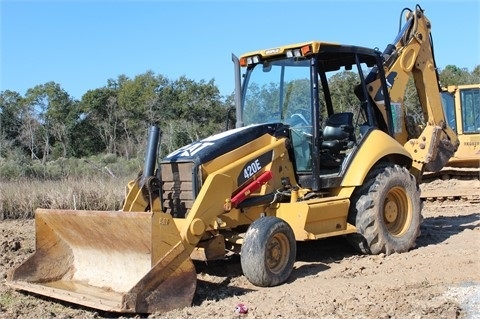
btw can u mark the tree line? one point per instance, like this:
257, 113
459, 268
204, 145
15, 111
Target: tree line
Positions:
47, 123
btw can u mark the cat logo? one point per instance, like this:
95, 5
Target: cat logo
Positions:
190, 150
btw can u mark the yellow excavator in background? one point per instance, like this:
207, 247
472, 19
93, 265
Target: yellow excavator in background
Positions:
297, 167
461, 104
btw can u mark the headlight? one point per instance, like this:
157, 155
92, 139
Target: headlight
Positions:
253, 59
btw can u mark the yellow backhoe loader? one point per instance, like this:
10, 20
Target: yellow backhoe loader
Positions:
300, 165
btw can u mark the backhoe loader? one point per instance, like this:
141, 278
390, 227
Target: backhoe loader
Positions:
300, 165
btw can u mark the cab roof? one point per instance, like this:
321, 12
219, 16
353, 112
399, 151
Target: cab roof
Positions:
334, 55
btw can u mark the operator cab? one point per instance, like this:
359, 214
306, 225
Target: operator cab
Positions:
298, 87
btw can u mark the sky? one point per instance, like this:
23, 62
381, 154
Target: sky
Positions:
81, 44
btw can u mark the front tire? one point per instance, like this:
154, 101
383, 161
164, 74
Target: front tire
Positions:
268, 252
386, 211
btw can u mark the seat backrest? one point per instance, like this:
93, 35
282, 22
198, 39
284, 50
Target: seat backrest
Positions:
339, 126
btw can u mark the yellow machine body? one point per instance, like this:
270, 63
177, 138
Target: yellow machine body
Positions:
258, 188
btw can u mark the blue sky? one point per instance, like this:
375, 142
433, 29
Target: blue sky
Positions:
82, 44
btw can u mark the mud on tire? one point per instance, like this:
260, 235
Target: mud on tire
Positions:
268, 252
386, 211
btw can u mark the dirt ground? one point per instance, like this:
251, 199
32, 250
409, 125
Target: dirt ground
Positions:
440, 278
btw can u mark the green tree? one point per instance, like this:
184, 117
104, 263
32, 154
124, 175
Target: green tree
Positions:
475, 75
192, 110
56, 113
99, 121
138, 103
11, 108
453, 75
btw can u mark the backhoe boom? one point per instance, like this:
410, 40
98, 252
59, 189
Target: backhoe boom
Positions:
412, 55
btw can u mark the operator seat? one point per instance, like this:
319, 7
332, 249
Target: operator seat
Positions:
338, 133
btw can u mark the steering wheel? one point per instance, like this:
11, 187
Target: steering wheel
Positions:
297, 119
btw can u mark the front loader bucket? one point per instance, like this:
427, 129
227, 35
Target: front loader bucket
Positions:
112, 261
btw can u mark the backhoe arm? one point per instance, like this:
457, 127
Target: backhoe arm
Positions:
412, 54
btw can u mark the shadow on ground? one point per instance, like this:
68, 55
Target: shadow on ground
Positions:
435, 230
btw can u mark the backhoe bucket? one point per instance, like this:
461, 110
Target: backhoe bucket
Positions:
112, 261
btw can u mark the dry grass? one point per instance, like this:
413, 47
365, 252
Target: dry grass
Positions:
19, 199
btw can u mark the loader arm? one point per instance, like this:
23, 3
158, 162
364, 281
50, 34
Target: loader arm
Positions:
412, 55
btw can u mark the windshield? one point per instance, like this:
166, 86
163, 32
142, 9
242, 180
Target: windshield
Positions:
278, 91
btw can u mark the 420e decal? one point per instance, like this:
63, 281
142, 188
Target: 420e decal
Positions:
254, 166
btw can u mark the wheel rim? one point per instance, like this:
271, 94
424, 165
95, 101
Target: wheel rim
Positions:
278, 249
397, 211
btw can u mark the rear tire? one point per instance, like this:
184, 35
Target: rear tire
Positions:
386, 211
268, 252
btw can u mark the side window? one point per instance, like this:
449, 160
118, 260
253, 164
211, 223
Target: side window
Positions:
470, 99
448, 102
342, 85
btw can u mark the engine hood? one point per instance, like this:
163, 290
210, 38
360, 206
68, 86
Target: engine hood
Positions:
213, 146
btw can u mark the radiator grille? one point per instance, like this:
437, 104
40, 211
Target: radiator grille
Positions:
177, 188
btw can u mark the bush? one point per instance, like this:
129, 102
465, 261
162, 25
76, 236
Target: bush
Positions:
94, 183
10, 170
71, 168
20, 198
109, 159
